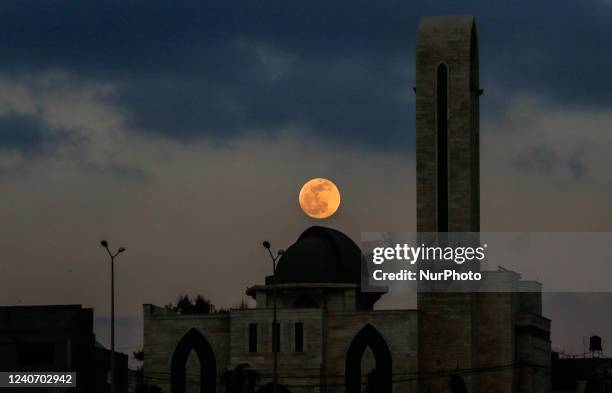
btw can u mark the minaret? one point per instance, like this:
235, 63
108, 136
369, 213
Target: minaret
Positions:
447, 125
447, 129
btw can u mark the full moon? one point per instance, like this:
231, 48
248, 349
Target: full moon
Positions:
319, 198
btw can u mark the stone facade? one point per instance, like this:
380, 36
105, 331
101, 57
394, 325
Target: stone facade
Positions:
448, 42
328, 335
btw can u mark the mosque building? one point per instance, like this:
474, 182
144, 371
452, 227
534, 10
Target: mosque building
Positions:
329, 337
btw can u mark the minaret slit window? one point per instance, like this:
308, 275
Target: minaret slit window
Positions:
442, 146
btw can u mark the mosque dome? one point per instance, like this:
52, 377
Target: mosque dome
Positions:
320, 255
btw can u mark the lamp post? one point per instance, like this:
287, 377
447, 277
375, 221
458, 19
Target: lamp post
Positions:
112, 256
275, 342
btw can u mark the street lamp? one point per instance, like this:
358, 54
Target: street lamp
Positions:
112, 256
275, 341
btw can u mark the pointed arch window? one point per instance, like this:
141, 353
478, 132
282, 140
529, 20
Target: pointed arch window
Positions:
193, 340
368, 337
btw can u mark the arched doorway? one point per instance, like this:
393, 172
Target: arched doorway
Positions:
269, 388
193, 340
368, 337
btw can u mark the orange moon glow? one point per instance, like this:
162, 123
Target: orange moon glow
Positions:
319, 198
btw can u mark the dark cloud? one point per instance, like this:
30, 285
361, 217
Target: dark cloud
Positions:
340, 71
346, 103
28, 134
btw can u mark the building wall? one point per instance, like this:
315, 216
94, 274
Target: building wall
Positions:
496, 343
327, 337
328, 296
533, 353
399, 328
57, 338
290, 362
294, 368
164, 329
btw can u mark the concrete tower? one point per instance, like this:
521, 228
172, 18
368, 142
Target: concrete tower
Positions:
447, 117
447, 125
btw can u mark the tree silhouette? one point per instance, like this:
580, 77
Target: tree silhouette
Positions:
199, 305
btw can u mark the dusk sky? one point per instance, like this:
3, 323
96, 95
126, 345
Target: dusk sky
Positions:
184, 131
